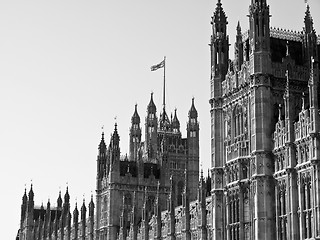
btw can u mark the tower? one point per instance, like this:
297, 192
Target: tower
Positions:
219, 48
151, 128
135, 135
193, 150
261, 136
259, 19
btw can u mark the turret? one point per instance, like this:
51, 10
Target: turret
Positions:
219, 45
193, 150
76, 221
259, 18
102, 164
114, 154
175, 123
164, 123
30, 199
91, 219
238, 49
151, 126
193, 125
59, 200
24, 205
309, 39
83, 221
135, 135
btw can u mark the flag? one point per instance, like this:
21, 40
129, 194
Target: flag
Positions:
157, 66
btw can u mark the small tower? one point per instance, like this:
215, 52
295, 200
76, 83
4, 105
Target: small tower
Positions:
91, 219
83, 221
102, 165
193, 151
219, 45
259, 18
309, 39
238, 49
151, 127
76, 221
59, 201
23, 207
135, 135
114, 154
175, 124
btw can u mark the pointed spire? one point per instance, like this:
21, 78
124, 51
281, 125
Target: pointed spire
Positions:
59, 200
115, 137
151, 106
164, 120
66, 196
193, 111
31, 194
75, 214
238, 29
219, 14
175, 122
91, 207
135, 117
83, 210
24, 197
102, 145
308, 21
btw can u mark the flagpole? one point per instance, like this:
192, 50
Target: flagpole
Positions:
164, 83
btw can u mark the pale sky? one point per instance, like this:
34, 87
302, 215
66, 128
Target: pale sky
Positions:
67, 68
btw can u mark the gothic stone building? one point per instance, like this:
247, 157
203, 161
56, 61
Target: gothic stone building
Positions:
131, 191
265, 162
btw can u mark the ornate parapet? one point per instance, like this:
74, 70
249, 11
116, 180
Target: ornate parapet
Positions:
285, 34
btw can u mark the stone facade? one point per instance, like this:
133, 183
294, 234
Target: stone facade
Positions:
265, 130
265, 153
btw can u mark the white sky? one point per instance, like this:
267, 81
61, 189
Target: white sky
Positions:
69, 67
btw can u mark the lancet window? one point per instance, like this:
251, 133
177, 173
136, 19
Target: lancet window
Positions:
246, 214
279, 162
306, 205
237, 123
233, 215
282, 210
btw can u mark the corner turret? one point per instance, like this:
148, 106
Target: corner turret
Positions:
151, 127
259, 18
135, 135
309, 39
219, 45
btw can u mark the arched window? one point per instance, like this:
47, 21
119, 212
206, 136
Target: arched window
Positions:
237, 126
179, 192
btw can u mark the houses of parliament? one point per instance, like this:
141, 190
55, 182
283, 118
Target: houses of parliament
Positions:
264, 180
